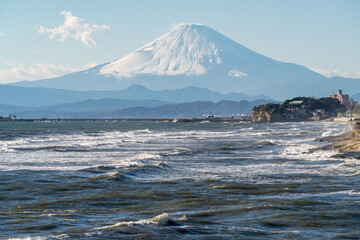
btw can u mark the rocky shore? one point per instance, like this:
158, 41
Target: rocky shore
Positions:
348, 144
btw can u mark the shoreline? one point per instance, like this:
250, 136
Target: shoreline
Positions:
348, 144
209, 119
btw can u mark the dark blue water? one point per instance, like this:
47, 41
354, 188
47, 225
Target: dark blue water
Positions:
156, 180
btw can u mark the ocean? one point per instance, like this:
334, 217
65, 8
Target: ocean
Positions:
175, 180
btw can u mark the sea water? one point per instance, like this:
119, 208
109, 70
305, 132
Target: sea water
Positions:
166, 180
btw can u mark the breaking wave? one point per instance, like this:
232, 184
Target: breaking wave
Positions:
160, 220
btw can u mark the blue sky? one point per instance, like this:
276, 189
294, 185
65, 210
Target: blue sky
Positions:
323, 35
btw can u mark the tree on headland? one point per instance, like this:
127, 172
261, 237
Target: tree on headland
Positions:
298, 109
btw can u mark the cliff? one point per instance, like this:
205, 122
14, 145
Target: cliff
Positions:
267, 113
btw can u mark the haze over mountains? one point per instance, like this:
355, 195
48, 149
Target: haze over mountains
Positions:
196, 55
37, 97
116, 108
133, 102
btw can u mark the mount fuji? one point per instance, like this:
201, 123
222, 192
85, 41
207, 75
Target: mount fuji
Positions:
196, 55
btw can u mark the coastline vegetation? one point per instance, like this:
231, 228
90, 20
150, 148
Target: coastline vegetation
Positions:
298, 109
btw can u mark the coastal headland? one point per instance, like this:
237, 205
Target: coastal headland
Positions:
298, 109
337, 107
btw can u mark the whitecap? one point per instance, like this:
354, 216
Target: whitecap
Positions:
161, 220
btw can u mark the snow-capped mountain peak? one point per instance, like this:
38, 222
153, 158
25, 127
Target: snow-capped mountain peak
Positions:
196, 55
188, 49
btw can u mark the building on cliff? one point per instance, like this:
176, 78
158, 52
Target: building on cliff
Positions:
344, 99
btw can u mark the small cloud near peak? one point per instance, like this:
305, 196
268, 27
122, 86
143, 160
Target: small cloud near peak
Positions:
74, 28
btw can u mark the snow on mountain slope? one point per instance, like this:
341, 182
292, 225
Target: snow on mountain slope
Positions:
189, 49
186, 50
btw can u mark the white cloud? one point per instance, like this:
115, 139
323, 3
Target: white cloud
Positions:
74, 27
1, 34
19, 71
336, 73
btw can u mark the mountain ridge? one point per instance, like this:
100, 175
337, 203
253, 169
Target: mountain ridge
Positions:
198, 109
196, 55
37, 97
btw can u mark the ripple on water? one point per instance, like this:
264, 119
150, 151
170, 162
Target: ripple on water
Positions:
177, 181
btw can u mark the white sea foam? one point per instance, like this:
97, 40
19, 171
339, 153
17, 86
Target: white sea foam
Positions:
340, 194
147, 147
134, 160
162, 220
145, 155
4, 147
28, 238
178, 151
61, 236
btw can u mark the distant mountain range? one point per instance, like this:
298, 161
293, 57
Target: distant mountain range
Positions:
192, 109
115, 108
196, 55
36, 97
181, 74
